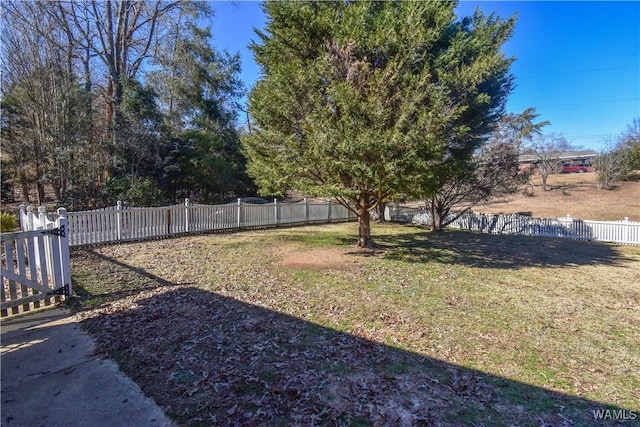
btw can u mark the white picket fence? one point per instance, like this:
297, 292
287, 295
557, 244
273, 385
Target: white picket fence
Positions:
123, 223
624, 232
35, 263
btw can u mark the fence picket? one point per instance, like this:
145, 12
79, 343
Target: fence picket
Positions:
33, 273
56, 271
13, 290
39, 256
22, 270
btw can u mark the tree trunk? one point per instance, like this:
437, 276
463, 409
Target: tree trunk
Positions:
364, 230
382, 206
57, 189
364, 222
39, 171
41, 193
24, 184
436, 214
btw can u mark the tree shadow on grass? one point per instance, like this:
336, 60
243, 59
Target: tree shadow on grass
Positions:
496, 250
111, 285
208, 359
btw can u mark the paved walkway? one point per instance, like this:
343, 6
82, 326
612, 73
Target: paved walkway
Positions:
51, 377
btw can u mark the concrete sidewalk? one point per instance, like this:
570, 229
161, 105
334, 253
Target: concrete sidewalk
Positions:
51, 377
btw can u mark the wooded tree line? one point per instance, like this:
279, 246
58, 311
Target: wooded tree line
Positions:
113, 99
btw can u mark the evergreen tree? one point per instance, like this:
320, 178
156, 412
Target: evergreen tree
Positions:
365, 100
199, 90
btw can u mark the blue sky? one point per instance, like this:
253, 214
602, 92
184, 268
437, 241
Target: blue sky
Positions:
577, 62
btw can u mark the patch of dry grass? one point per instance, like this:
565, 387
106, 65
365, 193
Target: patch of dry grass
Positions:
296, 326
574, 194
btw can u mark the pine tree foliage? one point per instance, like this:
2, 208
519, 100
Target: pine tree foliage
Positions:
362, 101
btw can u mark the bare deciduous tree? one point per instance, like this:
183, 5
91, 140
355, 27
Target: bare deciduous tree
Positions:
122, 34
612, 165
39, 80
547, 150
494, 170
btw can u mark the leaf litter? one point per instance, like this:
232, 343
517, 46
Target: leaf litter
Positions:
221, 342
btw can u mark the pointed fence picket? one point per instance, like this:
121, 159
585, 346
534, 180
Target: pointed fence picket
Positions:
35, 263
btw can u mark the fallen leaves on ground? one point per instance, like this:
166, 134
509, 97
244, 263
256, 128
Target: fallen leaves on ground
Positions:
222, 339
211, 359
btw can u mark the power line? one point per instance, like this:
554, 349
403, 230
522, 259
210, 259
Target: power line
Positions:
560, 73
588, 103
604, 135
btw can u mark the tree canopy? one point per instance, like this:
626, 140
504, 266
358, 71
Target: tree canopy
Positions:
364, 100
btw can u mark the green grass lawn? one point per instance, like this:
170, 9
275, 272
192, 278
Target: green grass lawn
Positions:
297, 325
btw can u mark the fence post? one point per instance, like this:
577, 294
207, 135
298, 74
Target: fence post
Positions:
65, 265
23, 217
329, 212
306, 211
275, 207
627, 234
42, 217
119, 220
168, 221
186, 215
30, 216
239, 211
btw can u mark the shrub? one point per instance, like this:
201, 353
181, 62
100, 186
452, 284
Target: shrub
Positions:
145, 193
140, 193
8, 222
612, 167
529, 191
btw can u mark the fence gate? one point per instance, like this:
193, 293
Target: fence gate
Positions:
35, 269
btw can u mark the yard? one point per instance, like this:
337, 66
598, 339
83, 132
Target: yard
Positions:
297, 327
576, 194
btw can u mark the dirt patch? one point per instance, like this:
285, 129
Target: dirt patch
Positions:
320, 259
